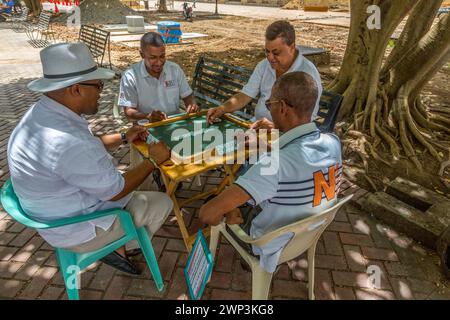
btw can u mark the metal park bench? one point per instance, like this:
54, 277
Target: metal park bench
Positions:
16, 20
98, 41
39, 33
214, 82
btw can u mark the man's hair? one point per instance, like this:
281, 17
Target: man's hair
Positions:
299, 90
153, 39
281, 29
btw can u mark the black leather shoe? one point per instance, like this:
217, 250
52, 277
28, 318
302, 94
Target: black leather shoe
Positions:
115, 260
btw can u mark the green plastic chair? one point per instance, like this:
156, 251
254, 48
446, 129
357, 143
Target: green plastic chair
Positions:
70, 262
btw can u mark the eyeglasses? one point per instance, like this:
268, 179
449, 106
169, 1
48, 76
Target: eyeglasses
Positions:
99, 85
269, 103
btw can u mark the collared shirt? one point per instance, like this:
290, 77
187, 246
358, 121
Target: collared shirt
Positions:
264, 76
59, 169
138, 89
305, 159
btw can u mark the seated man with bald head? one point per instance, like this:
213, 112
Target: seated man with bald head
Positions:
308, 167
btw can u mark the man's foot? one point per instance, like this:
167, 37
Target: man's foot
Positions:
115, 260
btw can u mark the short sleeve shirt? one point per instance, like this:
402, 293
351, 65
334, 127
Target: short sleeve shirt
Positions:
263, 78
59, 169
138, 89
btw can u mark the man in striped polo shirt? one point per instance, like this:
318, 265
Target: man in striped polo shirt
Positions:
308, 177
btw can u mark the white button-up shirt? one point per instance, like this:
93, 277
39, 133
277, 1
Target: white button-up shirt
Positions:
138, 89
59, 169
264, 76
294, 192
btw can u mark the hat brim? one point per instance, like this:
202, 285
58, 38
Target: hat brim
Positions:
47, 85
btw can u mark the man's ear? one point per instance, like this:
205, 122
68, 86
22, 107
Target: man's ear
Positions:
74, 90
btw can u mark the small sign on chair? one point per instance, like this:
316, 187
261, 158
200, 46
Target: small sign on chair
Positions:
199, 267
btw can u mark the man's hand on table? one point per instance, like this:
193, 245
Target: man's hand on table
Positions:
156, 116
262, 123
136, 132
192, 108
159, 152
215, 113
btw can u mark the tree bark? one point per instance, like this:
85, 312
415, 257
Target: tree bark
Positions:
34, 6
162, 6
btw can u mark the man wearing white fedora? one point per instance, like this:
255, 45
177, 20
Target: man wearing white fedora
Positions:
60, 169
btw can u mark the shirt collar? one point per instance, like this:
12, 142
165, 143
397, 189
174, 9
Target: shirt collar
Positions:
296, 65
62, 110
144, 73
296, 133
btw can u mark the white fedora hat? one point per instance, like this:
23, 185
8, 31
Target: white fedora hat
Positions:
65, 64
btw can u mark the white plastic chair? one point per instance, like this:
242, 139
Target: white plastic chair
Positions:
306, 234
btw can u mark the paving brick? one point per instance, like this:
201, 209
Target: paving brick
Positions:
102, 277
404, 270
355, 259
9, 288
178, 285
51, 293
27, 251
32, 265
6, 237
419, 286
330, 262
220, 294
40, 280
323, 285
23, 238
6, 253
372, 294
332, 243
90, 294
176, 245
379, 254
225, 258
220, 280
340, 227
158, 244
16, 227
242, 280
351, 279
401, 288
289, 289
344, 293
356, 239
144, 288
9, 268
167, 264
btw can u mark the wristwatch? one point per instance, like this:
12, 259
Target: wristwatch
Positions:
123, 137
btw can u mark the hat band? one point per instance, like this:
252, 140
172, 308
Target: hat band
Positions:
68, 75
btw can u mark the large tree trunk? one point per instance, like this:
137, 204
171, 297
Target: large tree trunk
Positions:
384, 99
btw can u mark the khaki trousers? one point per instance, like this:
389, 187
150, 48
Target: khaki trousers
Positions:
149, 209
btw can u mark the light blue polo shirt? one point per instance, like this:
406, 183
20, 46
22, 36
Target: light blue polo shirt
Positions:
293, 192
138, 89
263, 78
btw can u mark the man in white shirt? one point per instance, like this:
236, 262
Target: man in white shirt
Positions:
151, 89
307, 180
282, 56
59, 169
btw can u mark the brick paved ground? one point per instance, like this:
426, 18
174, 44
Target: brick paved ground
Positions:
354, 241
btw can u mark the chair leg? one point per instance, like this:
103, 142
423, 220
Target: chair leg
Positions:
70, 272
147, 249
261, 281
311, 263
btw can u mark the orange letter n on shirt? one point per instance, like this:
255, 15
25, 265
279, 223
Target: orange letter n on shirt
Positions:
320, 184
